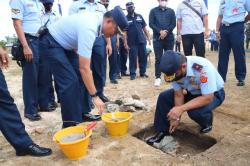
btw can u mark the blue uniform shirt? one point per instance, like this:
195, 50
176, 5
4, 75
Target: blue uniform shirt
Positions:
50, 17
84, 5
202, 77
30, 12
234, 10
135, 32
77, 32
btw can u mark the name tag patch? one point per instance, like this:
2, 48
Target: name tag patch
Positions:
15, 11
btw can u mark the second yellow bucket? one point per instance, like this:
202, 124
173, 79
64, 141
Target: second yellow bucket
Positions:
117, 128
77, 149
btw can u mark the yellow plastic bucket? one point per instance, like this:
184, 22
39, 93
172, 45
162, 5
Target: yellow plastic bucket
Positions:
117, 128
77, 149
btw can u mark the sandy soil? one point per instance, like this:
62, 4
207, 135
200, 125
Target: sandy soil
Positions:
231, 129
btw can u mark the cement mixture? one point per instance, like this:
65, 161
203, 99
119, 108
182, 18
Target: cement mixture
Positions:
72, 137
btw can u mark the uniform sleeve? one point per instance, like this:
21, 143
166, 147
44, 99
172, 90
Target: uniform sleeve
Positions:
220, 8
85, 42
178, 12
203, 8
247, 6
17, 9
172, 22
152, 22
208, 81
176, 86
72, 8
144, 24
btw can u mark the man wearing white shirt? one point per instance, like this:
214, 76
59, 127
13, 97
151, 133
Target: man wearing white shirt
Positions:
192, 26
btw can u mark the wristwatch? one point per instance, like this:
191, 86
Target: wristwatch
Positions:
93, 95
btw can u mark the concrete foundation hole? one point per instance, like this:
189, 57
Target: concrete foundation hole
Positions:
188, 143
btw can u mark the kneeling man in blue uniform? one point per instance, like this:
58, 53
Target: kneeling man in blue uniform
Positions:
11, 124
197, 88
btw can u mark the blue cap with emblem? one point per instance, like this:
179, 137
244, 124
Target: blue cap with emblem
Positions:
170, 63
120, 18
47, 1
129, 4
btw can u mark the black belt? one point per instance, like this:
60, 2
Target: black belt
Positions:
30, 36
228, 25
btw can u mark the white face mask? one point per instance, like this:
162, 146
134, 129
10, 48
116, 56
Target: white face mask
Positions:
163, 3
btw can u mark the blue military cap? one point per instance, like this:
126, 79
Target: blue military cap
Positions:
170, 63
120, 18
47, 1
129, 4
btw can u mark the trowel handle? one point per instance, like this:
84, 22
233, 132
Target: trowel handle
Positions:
90, 126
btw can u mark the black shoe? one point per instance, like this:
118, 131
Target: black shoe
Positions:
46, 109
241, 83
144, 75
35, 150
113, 81
206, 129
125, 75
119, 77
33, 117
52, 106
132, 78
156, 138
104, 98
90, 117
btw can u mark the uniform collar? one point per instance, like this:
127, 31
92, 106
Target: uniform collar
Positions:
190, 72
162, 9
86, 1
135, 14
51, 13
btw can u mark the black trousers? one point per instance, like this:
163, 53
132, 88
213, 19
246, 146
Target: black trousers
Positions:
194, 40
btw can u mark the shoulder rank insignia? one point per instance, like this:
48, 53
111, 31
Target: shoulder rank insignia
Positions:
15, 11
203, 78
82, 8
197, 67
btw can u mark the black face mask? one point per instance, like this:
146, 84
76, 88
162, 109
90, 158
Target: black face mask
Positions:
179, 77
48, 7
106, 5
130, 11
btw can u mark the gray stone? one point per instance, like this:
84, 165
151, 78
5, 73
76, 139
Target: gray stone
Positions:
136, 97
168, 145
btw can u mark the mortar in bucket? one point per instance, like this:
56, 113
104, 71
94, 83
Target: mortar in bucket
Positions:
74, 141
117, 123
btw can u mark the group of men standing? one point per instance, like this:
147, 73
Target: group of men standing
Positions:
73, 50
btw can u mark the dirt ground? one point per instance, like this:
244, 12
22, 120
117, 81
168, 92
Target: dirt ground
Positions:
231, 129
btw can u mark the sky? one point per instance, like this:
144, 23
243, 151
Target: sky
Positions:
142, 6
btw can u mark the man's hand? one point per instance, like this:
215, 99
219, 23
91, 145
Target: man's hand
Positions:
179, 38
206, 34
27, 53
163, 34
4, 60
109, 49
174, 118
99, 104
173, 125
126, 46
149, 42
218, 36
175, 113
118, 44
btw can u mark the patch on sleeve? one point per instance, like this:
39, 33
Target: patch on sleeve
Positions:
203, 78
197, 67
15, 11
